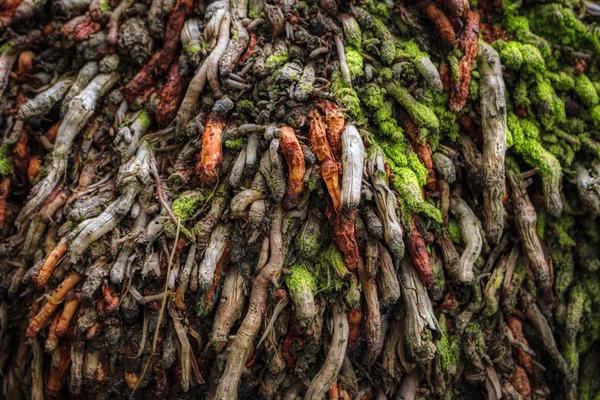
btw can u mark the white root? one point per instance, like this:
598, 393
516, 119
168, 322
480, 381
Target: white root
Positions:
335, 357
353, 155
470, 228
419, 315
43, 102
493, 126
343, 64
81, 109
133, 178
243, 344
386, 201
128, 138
219, 241
212, 72
84, 76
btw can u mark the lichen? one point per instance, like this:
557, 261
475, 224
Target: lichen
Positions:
276, 60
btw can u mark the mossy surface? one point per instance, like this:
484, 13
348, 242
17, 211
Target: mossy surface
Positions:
525, 135
187, 203
301, 282
5, 165
421, 114
407, 185
355, 63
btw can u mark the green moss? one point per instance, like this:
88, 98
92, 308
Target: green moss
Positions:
348, 97
355, 63
407, 185
520, 94
454, 231
511, 56
561, 81
105, 5
561, 228
5, 165
7, 47
245, 107
564, 267
387, 50
385, 74
301, 282
144, 120
333, 257
448, 348
453, 59
513, 22
192, 50
585, 90
533, 61
374, 98
234, 143
540, 223
560, 25
592, 287
331, 269
395, 155
551, 108
353, 293
595, 115
447, 119
421, 114
418, 168
525, 135
352, 35
379, 8
409, 50
474, 88
187, 203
